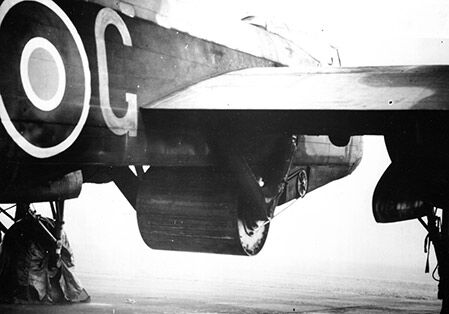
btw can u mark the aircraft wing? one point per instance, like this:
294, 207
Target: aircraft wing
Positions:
354, 89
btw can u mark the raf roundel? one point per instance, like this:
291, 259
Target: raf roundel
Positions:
44, 104
43, 74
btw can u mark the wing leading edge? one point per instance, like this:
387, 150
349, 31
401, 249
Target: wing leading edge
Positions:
363, 88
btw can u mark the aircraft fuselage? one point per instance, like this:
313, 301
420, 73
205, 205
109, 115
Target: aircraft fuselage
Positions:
77, 76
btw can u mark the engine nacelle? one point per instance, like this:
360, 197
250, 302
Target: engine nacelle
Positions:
62, 188
399, 196
410, 190
418, 178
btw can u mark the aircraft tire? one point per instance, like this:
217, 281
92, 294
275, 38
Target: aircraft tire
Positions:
197, 209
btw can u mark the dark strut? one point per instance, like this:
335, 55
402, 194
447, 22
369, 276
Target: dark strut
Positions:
440, 239
438, 229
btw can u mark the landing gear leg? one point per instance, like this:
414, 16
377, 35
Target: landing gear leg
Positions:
57, 209
21, 210
441, 245
439, 235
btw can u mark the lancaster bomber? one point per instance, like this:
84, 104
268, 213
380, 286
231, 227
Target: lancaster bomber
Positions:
232, 122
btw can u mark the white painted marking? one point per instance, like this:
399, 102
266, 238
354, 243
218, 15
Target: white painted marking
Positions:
21, 141
127, 9
133, 169
31, 47
128, 123
131, 99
